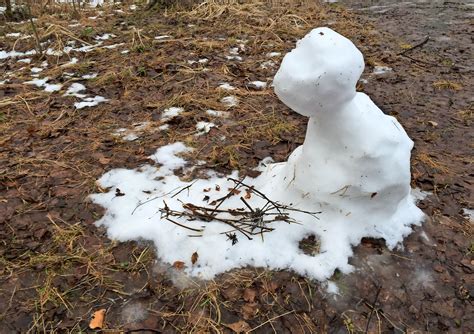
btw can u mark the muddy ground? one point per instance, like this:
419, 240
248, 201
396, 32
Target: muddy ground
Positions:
57, 267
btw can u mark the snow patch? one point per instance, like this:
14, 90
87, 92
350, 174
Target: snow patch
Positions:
230, 101
90, 102
204, 127
170, 113
378, 70
226, 86
259, 84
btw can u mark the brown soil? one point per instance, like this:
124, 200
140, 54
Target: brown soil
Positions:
57, 268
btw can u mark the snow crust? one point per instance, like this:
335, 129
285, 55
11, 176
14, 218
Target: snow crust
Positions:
354, 167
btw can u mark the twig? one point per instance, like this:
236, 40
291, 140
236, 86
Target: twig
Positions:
419, 45
379, 288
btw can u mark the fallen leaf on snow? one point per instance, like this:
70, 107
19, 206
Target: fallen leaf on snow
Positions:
178, 265
194, 257
98, 319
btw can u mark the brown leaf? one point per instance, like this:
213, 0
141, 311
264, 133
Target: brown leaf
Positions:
249, 310
178, 265
239, 327
249, 295
104, 161
98, 319
194, 257
248, 194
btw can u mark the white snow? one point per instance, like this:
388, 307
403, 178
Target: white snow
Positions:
239, 58
234, 51
15, 54
167, 156
52, 87
170, 113
259, 84
381, 70
25, 60
74, 89
164, 127
36, 69
162, 37
90, 102
113, 46
204, 127
44, 83
354, 167
267, 64
226, 86
89, 76
273, 54
73, 61
469, 213
37, 82
332, 288
419, 194
230, 101
217, 113
13, 35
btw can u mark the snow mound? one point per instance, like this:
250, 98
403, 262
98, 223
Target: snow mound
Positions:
353, 168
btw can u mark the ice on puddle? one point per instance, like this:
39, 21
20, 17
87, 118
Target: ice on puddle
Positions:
358, 177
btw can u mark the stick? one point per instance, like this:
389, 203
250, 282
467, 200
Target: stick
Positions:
419, 45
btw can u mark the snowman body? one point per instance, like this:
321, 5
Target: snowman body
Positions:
355, 160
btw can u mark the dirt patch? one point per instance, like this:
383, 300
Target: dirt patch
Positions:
57, 267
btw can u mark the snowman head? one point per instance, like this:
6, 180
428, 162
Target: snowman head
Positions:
320, 74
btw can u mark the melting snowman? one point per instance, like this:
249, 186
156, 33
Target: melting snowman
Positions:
355, 161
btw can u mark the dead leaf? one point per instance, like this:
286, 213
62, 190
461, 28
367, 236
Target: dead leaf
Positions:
249, 310
249, 295
218, 187
248, 194
98, 319
433, 123
239, 327
104, 161
233, 191
178, 265
194, 257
